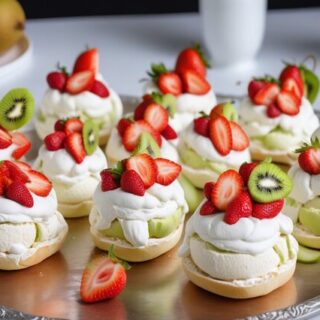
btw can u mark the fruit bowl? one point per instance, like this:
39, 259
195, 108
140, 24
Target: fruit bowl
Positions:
155, 290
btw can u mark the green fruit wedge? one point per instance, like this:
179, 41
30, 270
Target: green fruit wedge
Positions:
307, 255
147, 145
312, 83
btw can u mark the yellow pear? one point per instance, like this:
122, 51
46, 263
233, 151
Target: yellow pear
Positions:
12, 23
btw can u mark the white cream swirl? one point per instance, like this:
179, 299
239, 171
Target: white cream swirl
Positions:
249, 235
133, 212
6, 154
60, 166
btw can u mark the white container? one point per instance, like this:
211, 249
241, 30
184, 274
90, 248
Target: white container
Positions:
233, 30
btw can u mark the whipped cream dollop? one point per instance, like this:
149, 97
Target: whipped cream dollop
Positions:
187, 106
133, 212
249, 235
117, 152
255, 121
206, 150
60, 166
6, 154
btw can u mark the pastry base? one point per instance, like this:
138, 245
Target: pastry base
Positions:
75, 210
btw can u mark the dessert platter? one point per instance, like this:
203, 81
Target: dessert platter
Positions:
165, 206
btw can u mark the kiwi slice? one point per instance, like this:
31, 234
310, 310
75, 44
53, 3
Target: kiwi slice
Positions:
90, 135
268, 183
312, 84
147, 145
168, 101
307, 255
230, 112
16, 108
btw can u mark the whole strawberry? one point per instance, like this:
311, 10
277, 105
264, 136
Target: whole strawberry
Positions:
267, 210
132, 183
57, 80
309, 158
245, 171
201, 125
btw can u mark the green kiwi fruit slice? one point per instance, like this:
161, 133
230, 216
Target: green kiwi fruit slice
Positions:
267, 183
307, 255
90, 135
168, 101
16, 108
230, 112
312, 83
147, 145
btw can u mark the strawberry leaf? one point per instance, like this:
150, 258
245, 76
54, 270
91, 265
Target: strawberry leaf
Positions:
115, 259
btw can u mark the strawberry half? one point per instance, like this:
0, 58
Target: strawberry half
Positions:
292, 72
288, 103
207, 208
145, 166
131, 182
267, 210
79, 82
156, 116
19, 193
239, 207
102, 279
87, 61
273, 111
309, 160
169, 133
55, 141
228, 187
292, 86
267, 94
23, 145
167, 171
5, 139
240, 140
201, 126
122, 125
221, 135
99, 89
245, 171
207, 190
140, 109
39, 183
254, 87
74, 145
73, 125
15, 173
193, 83
170, 82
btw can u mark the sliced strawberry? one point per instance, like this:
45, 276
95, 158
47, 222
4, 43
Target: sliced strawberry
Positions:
145, 166
228, 187
19, 193
23, 145
132, 134
55, 141
273, 111
59, 125
267, 210
167, 171
194, 84
74, 145
309, 160
156, 116
73, 125
131, 182
108, 180
140, 109
39, 183
292, 86
170, 82
240, 140
57, 80
5, 139
207, 190
201, 126
79, 82
102, 279
169, 133
239, 207
5, 179
267, 94
100, 89
293, 72
207, 208
15, 173
88, 60
245, 171
221, 135
288, 103
254, 87
122, 125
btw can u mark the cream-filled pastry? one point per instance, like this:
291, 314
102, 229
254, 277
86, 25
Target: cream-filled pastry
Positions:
238, 244
31, 227
84, 94
72, 160
139, 208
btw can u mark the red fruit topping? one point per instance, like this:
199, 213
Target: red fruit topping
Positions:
207, 190
147, 97
191, 59
59, 125
221, 135
288, 103
79, 82
108, 180
228, 187
273, 110
201, 126
293, 72
23, 166
169, 133
55, 141
239, 207
123, 124
73, 125
88, 60
240, 140
207, 208
131, 182
18, 192
140, 109
132, 134
245, 171
194, 84
167, 170
267, 210
267, 94
74, 145
102, 279
100, 89
23, 143
254, 87
292, 86
309, 160
156, 116
145, 166
170, 82
15, 173
39, 183
57, 80
5, 139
